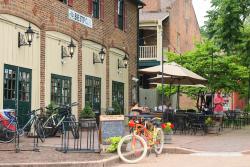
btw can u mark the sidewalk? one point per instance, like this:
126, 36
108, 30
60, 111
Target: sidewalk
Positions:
231, 140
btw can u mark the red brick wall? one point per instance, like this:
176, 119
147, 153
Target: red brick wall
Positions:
181, 20
151, 5
51, 15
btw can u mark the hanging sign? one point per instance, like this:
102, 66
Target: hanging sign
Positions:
77, 17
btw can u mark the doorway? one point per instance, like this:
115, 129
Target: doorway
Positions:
17, 91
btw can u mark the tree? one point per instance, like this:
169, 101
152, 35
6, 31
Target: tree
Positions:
226, 23
222, 71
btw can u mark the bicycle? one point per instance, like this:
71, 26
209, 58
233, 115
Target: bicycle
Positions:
10, 131
54, 122
133, 147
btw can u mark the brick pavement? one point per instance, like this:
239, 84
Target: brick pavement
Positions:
229, 141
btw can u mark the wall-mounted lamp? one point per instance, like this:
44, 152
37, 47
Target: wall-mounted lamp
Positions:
71, 49
123, 63
29, 37
101, 57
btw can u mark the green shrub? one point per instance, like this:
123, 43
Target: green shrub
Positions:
247, 108
50, 108
87, 112
113, 141
117, 109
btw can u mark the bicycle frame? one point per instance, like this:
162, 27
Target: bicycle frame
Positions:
30, 122
141, 129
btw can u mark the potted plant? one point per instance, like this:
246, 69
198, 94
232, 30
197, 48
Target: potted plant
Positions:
87, 117
211, 125
168, 132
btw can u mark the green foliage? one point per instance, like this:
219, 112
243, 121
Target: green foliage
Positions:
209, 121
225, 22
117, 109
87, 112
168, 128
113, 141
247, 108
222, 71
50, 108
166, 90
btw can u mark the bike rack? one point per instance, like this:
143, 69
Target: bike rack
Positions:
88, 141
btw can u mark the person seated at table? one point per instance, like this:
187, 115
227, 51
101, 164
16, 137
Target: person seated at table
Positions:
139, 109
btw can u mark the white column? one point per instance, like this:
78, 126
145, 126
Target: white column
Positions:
159, 40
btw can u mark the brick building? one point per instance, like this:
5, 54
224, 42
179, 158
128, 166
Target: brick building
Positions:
33, 76
165, 25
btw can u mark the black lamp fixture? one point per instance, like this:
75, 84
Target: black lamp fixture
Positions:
29, 37
124, 63
71, 49
101, 57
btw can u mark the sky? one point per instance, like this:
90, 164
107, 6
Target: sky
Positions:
201, 7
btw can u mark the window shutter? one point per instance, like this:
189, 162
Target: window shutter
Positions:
102, 10
125, 17
116, 13
70, 2
90, 7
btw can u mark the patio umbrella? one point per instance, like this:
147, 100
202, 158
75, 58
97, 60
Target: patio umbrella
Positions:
173, 73
176, 73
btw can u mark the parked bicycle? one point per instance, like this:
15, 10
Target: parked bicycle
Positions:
9, 131
60, 114
146, 133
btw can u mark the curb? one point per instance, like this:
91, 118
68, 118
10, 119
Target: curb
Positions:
99, 163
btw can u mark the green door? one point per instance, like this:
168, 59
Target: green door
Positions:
17, 91
118, 94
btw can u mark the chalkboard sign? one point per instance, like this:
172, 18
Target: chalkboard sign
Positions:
110, 126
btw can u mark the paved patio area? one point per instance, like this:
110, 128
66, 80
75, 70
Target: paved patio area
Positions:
230, 140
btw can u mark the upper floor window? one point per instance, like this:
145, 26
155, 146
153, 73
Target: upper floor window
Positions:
96, 8
120, 14
68, 2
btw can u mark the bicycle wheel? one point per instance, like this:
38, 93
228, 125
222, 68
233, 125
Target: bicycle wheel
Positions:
7, 136
158, 141
39, 130
132, 148
74, 127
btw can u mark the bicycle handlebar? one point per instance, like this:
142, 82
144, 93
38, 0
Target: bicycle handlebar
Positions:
63, 106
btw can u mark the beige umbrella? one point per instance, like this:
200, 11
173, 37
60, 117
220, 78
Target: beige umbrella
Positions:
178, 80
177, 72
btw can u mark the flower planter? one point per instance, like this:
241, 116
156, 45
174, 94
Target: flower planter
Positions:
214, 129
168, 138
87, 122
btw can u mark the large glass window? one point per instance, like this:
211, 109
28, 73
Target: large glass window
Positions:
9, 84
60, 89
93, 92
96, 11
120, 14
118, 94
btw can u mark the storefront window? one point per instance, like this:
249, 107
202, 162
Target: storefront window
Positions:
60, 89
118, 94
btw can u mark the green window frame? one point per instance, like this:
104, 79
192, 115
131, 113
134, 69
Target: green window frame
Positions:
118, 94
60, 89
93, 92
96, 8
10, 83
120, 14
64, 1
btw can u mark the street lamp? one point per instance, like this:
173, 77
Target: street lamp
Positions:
124, 63
101, 57
71, 50
29, 37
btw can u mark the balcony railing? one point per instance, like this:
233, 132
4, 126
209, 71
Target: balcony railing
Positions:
148, 52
